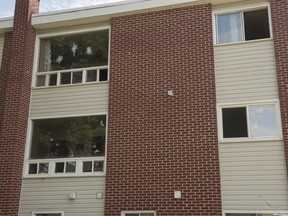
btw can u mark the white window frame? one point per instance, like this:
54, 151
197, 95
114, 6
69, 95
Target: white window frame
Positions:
253, 212
220, 106
123, 213
236, 9
34, 213
85, 29
79, 160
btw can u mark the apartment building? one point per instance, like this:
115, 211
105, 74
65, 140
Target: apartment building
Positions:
145, 108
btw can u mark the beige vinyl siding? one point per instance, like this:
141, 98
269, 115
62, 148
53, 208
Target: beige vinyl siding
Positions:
69, 100
245, 72
51, 194
253, 176
1, 48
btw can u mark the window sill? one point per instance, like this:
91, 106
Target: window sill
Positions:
243, 42
243, 140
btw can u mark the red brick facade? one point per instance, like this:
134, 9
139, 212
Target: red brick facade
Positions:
279, 11
158, 144
16, 72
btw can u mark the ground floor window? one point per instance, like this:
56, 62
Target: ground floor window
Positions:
138, 213
47, 214
256, 214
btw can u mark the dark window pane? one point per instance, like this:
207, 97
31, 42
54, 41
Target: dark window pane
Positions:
103, 75
33, 168
66, 78
40, 81
59, 167
98, 166
91, 76
240, 214
256, 25
68, 137
234, 122
53, 80
87, 166
77, 77
70, 167
43, 168
74, 51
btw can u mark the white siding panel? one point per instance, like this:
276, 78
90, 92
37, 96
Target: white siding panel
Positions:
69, 100
245, 72
253, 176
51, 194
1, 48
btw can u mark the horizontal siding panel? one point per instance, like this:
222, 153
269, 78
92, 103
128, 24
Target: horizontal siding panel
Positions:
51, 194
69, 100
245, 72
1, 48
252, 172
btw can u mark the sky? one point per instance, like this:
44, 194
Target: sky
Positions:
7, 6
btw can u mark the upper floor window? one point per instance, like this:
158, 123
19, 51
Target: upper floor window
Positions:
255, 121
74, 145
73, 59
242, 26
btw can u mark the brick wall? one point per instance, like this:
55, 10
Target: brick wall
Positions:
279, 11
17, 71
156, 143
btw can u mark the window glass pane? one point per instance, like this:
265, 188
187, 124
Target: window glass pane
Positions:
87, 166
40, 80
59, 167
66, 78
132, 214
147, 214
43, 168
256, 24
229, 28
68, 137
91, 76
262, 119
98, 166
70, 167
53, 80
103, 75
74, 51
77, 77
234, 122
48, 214
239, 214
33, 168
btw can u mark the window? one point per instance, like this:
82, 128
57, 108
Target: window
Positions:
139, 213
47, 214
249, 121
251, 214
242, 26
73, 59
67, 146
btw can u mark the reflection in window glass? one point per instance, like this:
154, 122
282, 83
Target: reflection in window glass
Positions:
91, 76
68, 137
87, 166
262, 121
40, 81
66, 78
70, 167
229, 28
74, 51
43, 168
53, 80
